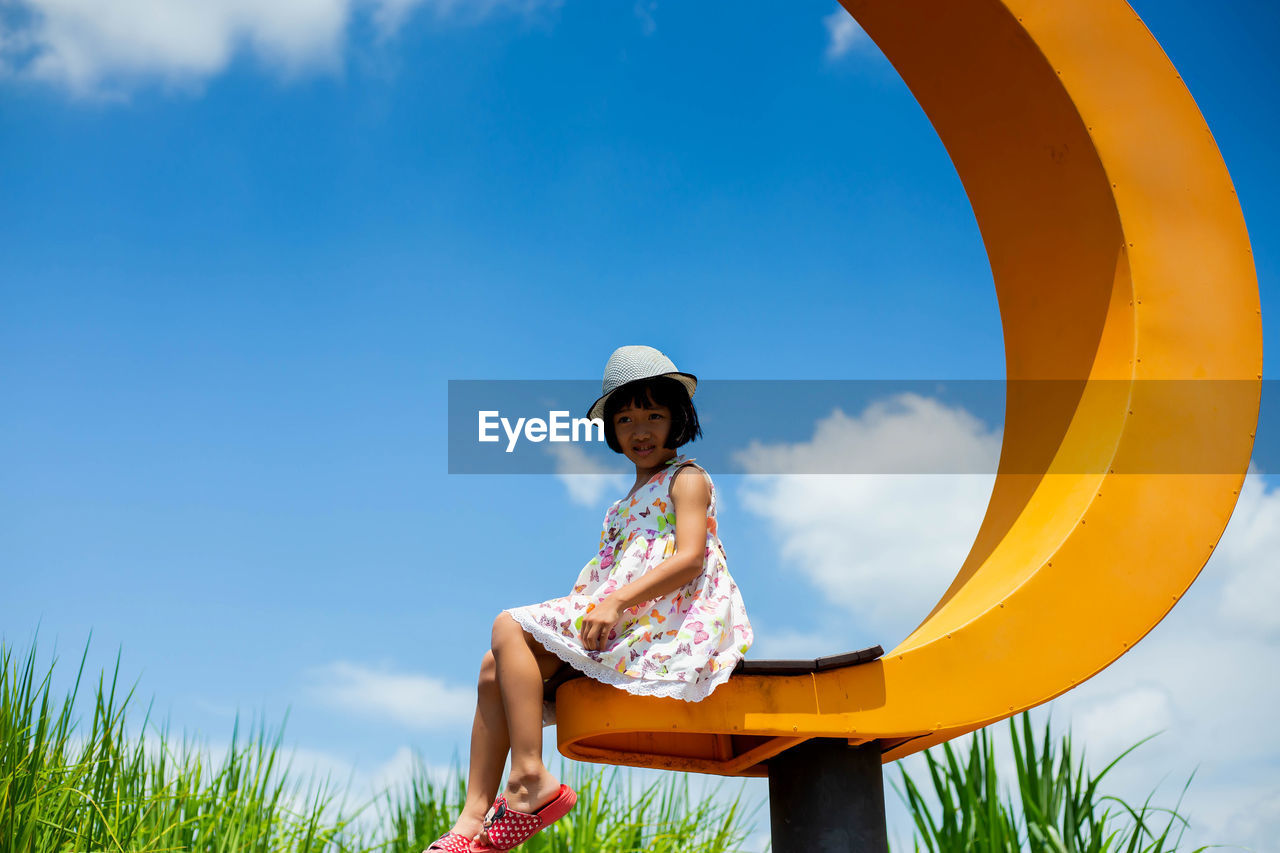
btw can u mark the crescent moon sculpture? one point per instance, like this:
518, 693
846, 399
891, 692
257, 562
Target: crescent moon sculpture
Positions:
1126, 284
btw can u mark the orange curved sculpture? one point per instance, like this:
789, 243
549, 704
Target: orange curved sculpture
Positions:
1120, 257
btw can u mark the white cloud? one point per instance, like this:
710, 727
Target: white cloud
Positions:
98, 48
843, 33
883, 547
904, 433
413, 700
644, 10
879, 550
587, 480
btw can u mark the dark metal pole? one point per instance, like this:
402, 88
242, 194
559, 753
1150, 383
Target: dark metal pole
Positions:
827, 797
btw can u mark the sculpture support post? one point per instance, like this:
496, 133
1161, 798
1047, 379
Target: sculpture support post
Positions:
828, 797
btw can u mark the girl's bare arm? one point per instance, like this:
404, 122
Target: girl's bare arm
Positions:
691, 496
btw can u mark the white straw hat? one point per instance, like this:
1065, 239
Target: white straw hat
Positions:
627, 364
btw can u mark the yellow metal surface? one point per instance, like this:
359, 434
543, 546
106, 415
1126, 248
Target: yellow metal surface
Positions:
1119, 253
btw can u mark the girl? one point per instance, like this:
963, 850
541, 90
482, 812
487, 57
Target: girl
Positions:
654, 613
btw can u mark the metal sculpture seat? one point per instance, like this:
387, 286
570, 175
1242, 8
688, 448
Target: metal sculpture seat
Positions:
727, 753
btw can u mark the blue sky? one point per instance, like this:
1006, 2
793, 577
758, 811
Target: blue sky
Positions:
245, 250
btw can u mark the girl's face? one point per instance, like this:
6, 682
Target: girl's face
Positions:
643, 432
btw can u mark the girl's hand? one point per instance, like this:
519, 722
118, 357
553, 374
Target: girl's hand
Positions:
599, 623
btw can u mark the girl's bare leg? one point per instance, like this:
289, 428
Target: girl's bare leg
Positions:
489, 745
521, 664
490, 739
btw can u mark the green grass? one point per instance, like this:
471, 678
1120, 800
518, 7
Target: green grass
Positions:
64, 790
1059, 807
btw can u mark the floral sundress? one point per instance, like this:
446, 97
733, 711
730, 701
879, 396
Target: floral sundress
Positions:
682, 644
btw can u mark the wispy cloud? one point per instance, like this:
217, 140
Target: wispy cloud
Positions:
95, 48
389, 15
413, 700
879, 550
587, 480
644, 10
843, 33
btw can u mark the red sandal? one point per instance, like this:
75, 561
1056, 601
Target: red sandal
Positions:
508, 828
452, 842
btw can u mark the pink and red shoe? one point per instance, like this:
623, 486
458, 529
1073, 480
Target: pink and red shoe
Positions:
452, 842
508, 828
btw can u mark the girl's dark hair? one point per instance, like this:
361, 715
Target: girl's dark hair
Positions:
665, 391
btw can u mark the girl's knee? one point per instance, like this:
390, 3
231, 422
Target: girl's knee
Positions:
488, 669
503, 625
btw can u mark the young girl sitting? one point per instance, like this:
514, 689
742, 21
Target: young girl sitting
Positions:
654, 612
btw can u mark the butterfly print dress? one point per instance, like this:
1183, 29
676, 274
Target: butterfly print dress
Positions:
682, 644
